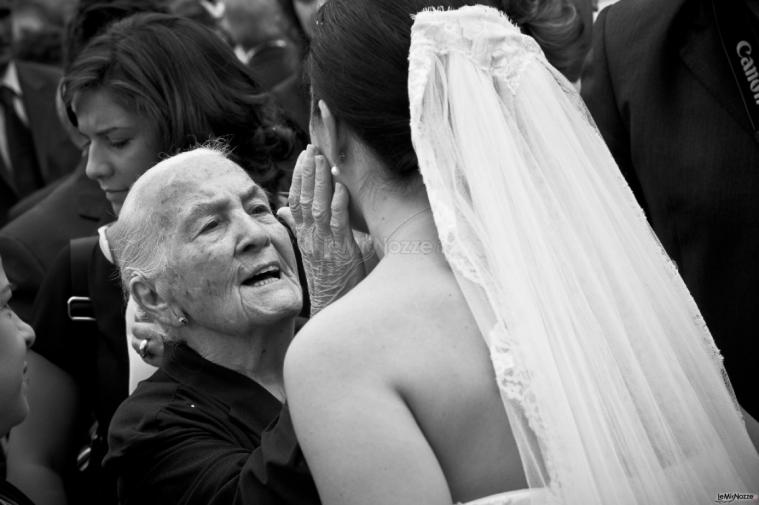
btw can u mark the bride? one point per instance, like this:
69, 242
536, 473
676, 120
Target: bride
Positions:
524, 338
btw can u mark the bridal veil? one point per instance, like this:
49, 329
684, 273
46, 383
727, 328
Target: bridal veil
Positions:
613, 386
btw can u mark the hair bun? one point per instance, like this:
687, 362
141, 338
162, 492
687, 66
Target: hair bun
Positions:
557, 26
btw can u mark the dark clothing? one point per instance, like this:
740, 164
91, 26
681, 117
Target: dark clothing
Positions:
25, 174
664, 98
54, 154
30, 243
10, 495
94, 354
196, 433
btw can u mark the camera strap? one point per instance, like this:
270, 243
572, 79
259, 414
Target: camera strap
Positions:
735, 26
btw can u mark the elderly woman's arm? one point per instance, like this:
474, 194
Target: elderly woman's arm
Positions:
186, 454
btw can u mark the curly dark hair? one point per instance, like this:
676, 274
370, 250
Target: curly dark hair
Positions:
188, 83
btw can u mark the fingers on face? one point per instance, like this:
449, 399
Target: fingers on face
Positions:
322, 198
307, 189
340, 222
293, 198
314, 201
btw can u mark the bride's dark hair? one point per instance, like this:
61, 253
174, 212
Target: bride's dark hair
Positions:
358, 63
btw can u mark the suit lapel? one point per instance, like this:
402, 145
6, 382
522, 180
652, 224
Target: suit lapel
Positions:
703, 55
36, 92
5, 177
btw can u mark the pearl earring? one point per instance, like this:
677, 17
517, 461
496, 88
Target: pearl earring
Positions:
335, 171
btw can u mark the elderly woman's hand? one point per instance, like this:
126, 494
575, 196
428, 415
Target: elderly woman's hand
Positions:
145, 336
335, 257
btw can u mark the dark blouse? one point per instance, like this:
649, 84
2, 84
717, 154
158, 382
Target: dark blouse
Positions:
198, 433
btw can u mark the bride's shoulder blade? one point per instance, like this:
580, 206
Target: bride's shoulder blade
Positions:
385, 327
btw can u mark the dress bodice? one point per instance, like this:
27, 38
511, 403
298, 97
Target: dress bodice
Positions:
518, 497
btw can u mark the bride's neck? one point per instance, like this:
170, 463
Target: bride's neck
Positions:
400, 222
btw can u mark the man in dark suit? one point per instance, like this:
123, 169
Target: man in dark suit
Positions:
34, 149
662, 92
30, 243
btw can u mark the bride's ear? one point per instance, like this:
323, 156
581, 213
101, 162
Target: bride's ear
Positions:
331, 143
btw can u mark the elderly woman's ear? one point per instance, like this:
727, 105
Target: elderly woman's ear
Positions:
156, 305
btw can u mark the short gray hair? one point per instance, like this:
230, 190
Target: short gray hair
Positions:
138, 238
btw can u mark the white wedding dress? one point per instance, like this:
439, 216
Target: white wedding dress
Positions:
613, 386
519, 497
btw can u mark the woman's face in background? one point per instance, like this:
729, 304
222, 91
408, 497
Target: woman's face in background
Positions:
121, 144
15, 339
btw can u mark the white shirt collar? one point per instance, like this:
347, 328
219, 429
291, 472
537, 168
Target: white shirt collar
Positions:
10, 79
105, 248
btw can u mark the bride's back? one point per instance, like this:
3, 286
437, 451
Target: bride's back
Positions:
391, 388
445, 376
402, 351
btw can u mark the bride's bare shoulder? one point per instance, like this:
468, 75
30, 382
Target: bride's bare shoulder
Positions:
381, 324
349, 325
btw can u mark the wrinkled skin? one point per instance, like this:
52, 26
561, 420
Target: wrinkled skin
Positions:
220, 229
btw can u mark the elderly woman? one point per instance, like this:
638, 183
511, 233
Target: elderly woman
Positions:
201, 252
148, 87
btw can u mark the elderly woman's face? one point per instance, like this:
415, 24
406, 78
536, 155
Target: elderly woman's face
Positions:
231, 263
15, 338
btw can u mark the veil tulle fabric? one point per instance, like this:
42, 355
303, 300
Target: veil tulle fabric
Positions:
614, 388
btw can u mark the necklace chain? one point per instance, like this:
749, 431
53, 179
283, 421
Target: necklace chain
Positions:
405, 222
